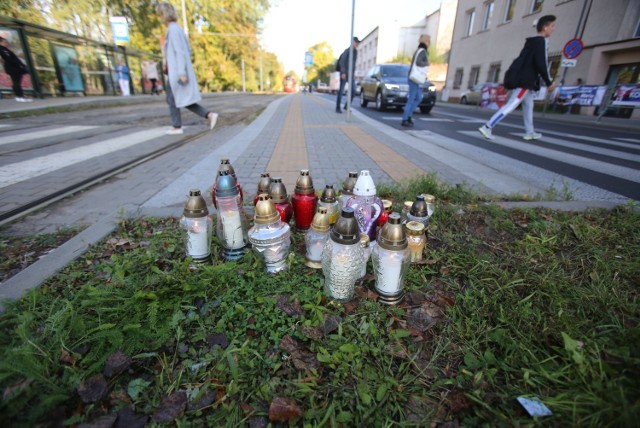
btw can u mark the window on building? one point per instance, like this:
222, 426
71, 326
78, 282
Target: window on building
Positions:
554, 65
473, 76
471, 15
509, 10
488, 11
536, 5
494, 73
457, 79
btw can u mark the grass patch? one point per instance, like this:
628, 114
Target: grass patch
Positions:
19, 252
531, 302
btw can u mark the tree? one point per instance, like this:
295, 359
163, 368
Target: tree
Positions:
323, 63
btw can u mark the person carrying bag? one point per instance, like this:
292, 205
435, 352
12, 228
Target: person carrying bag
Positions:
417, 76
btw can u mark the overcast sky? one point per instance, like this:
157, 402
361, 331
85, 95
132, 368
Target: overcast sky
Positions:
293, 26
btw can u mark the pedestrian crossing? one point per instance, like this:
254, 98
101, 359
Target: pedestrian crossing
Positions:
24, 170
34, 135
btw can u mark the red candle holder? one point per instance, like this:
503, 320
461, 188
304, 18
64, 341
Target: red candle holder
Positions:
304, 201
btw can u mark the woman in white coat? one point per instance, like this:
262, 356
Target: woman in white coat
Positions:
182, 87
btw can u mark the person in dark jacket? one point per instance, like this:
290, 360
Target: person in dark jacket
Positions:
343, 68
15, 68
528, 80
420, 59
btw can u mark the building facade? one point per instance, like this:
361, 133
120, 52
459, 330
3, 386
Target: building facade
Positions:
489, 34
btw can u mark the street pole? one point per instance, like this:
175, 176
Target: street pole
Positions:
184, 19
350, 69
584, 8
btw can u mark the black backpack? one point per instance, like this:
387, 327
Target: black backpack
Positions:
514, 72
338, 62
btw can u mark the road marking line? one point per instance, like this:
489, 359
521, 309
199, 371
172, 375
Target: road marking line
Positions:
19, 138
631, 140
587, 148
571, 159
434, 119
290, 153
396, 166
20, 171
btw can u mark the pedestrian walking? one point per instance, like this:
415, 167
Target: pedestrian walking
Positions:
123, 78
523, 76
342, 66
15, 68
182, 87
417, 76
150, 70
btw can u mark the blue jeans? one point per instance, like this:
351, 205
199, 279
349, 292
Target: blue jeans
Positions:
413, 100
343, 83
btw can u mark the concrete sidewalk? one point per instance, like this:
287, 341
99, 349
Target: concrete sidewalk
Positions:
295, 132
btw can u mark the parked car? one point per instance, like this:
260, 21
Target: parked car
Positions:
473, 95
388, 85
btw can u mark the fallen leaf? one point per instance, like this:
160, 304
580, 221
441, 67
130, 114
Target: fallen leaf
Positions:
290, 308
16, 388
105, 421
117, 363
283, 409
67, 358
302, 358
313, 333
366, 293
92, 389
128, 418
171, 407
207, 399
219, 339
331, 323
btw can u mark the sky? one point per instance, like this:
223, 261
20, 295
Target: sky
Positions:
291, 27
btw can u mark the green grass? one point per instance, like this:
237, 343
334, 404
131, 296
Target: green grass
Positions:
532, 303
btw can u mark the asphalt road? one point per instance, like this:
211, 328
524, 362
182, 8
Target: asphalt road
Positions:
600, 156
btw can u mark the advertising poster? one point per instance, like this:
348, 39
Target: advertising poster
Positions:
493, 97
584, 95
626, 95
15, 46
69, 68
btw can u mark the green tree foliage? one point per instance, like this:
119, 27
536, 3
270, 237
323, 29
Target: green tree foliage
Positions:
434, 57
323, 63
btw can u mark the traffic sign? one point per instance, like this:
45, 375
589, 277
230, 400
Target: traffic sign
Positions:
568, 62
308, 58
572, 49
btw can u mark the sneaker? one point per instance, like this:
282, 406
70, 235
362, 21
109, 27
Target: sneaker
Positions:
410, 120
175, 131
406, 123
213, 118
338, 110
20, 99
532, 136
486, 132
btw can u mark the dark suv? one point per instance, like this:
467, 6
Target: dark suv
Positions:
388, 85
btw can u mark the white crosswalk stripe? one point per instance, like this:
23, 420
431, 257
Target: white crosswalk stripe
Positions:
631, 140
48, 133
575, 160
20, 171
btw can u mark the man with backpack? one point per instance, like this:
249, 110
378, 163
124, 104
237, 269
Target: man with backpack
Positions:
523, 76
342, 66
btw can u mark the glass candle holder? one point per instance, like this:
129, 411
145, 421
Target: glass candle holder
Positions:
329, 200
366, 205
316, 238
270, 237
406, 207
264, 186
419, 211
225, 165
198, 226
304, 201
231, 224
390, 259
416, 240
280, 198
342, 257
347, 188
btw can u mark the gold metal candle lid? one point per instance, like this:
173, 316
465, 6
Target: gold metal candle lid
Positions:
345, 231
266, 212
349, 183
429, 198
226, 165
278, 191
365, 241
195, 206
419, 207
328, 195
415, 228
407, 206
264, 184
320, 221
304, 183
387, 204
392, 235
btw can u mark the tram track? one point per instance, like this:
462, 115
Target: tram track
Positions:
39, 203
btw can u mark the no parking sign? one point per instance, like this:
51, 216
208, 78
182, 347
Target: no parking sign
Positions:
572, 49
